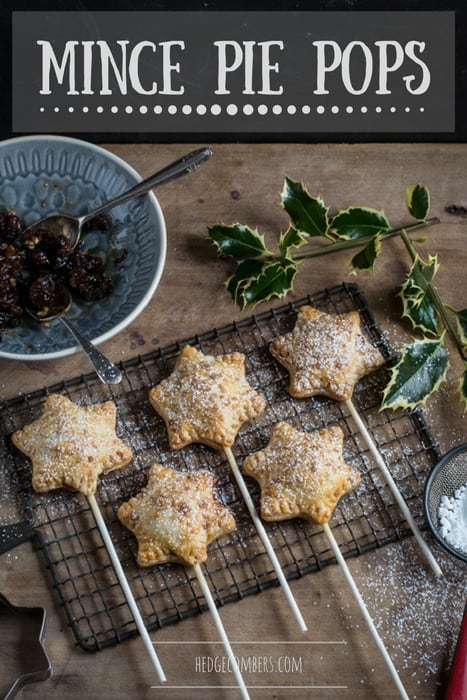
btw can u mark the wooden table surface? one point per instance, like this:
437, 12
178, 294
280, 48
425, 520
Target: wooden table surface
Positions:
417, 616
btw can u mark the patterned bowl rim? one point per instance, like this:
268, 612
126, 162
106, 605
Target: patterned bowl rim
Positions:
132, 315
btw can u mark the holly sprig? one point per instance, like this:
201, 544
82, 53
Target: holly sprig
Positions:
262, 273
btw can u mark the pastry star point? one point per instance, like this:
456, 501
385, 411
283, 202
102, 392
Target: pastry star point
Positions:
71, 446
206, 399
301, 474
325, 354
175, 517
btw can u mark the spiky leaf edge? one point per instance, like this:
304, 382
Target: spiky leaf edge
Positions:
238, 241
308, 214
405, 404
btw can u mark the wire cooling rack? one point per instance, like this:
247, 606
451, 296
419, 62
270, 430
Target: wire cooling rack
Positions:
237, 566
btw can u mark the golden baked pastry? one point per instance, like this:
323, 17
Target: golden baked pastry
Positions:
71, 445
325, 354
175, 517
301, 475
206, 399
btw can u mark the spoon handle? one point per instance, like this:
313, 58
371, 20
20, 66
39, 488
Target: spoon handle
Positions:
105, 369
182, 166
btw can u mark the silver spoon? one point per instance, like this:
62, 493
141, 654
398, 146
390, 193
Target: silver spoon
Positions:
71, 226
105, 369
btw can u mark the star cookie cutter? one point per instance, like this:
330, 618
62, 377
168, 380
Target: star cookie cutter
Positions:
30, 654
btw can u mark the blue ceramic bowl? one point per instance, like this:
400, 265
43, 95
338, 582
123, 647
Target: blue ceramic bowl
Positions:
41, 175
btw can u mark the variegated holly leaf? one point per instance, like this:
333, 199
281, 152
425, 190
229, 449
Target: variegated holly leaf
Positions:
290, 239
417, 198
275, 280
366, 258
243, 275
422, 314
416, 300
463, 385
420, 371
308, 214
461, 318
357, 222
238, 241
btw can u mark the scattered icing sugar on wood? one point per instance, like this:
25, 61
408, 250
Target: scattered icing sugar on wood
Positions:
422, 614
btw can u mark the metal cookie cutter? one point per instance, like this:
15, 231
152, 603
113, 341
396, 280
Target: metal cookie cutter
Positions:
23, 657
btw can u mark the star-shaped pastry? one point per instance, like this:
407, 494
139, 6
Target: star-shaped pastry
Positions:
71, 445
301, 475
325, 354
206, 399
175, 517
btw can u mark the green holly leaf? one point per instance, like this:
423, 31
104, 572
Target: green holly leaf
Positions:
417, 198
463, 385
416, 301
422, 314
461, 318
246, 271
420, 372
290, 239
366, 258
356, 222
238, 241
422, 274
276, 279
308, 214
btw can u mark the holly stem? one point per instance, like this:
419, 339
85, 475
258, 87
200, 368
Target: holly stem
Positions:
436, 299
355, 242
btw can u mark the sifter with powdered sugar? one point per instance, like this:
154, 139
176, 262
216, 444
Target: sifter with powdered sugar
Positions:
445, 501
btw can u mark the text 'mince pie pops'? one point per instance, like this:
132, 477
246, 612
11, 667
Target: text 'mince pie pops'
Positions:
206, 399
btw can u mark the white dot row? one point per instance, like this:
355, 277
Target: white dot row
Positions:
233, 109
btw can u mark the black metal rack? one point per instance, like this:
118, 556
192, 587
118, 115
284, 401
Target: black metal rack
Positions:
237, 566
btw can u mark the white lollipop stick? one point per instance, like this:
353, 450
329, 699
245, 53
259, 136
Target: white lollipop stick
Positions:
220, 628
126, 588
395, 491
264, 537
365, 613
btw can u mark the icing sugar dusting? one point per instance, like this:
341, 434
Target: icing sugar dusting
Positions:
452, 513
